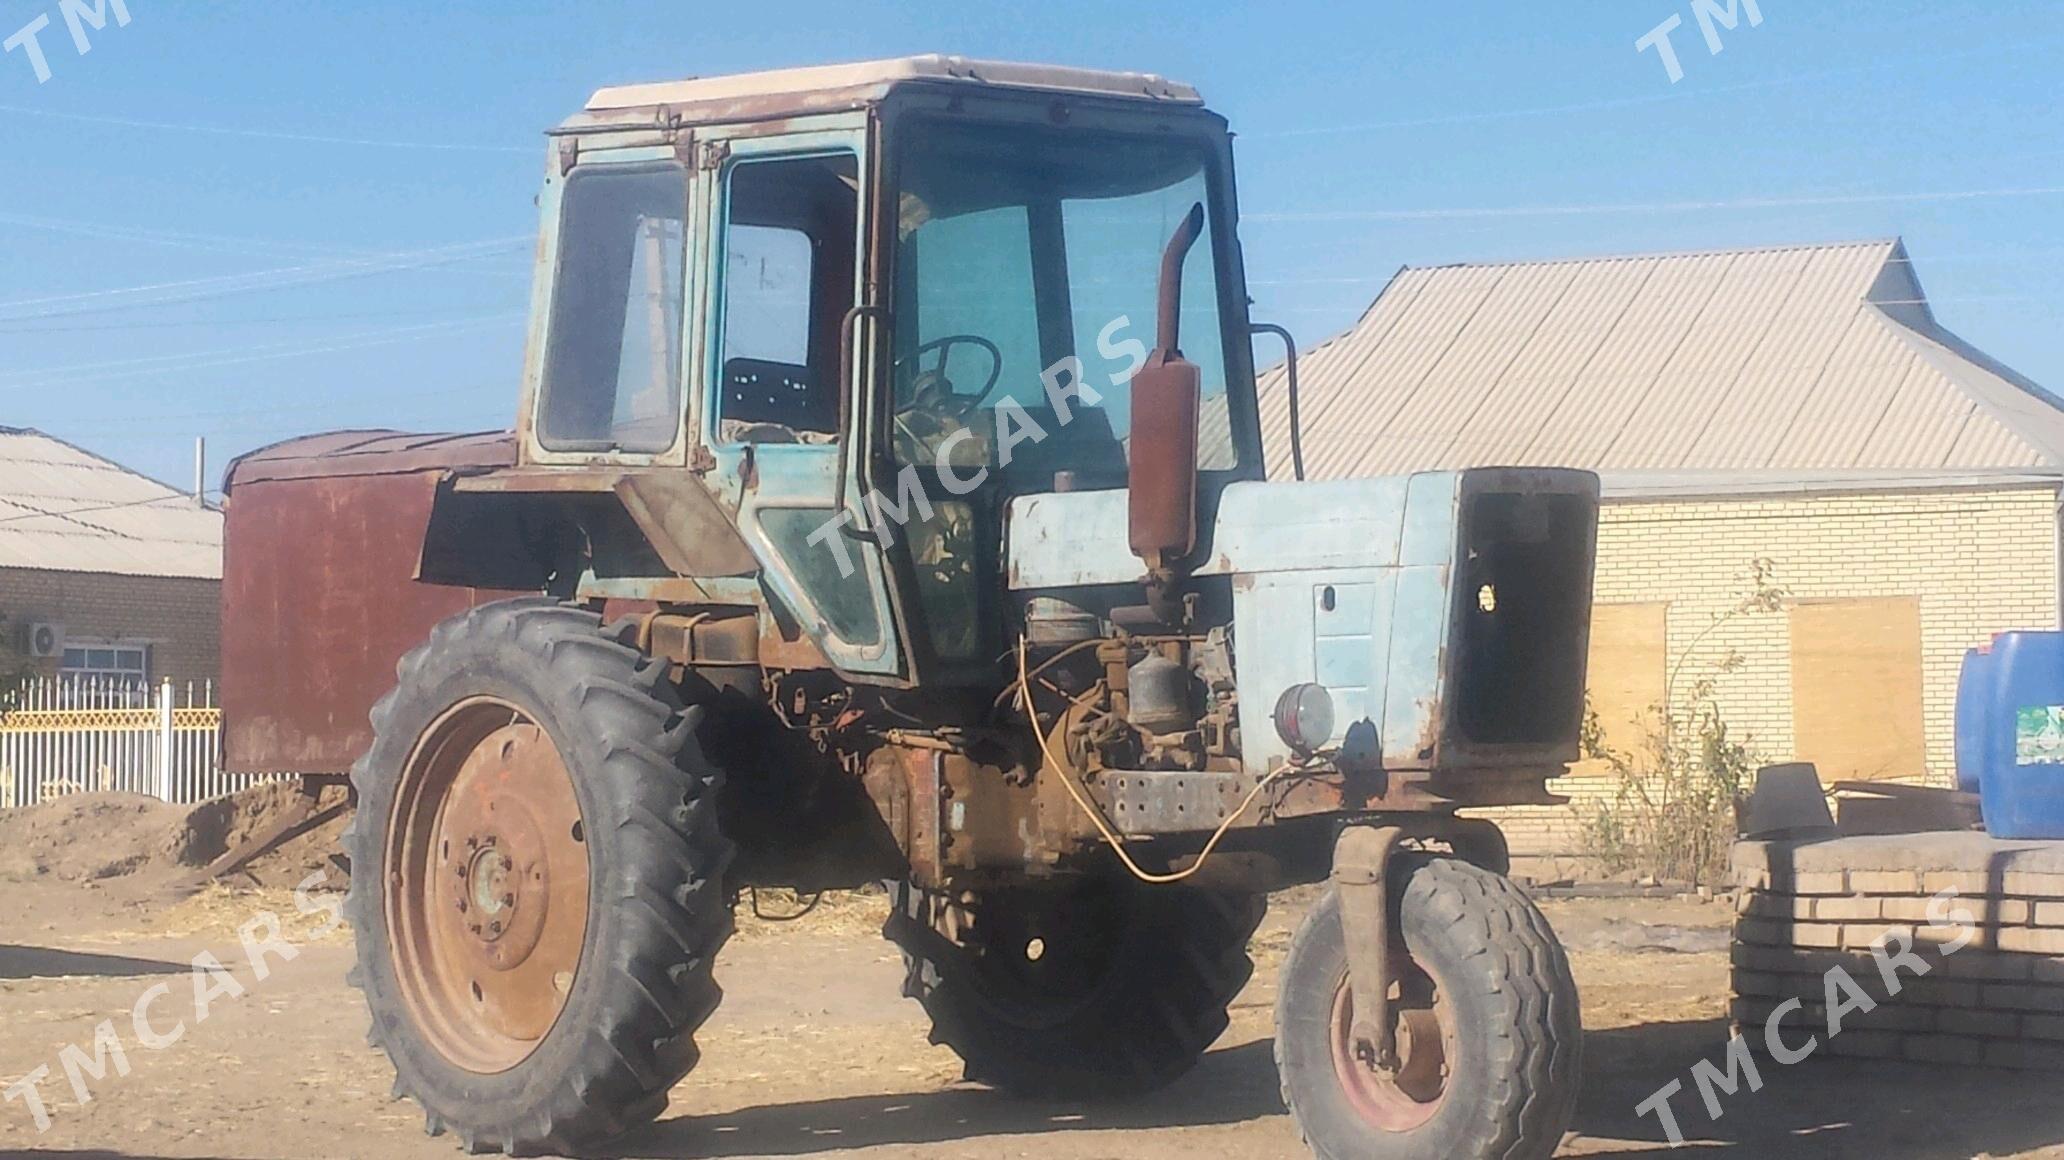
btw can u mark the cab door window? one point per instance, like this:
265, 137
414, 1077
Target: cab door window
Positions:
790, 237
612, 374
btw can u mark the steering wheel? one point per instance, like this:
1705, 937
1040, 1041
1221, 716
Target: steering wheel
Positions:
936, 377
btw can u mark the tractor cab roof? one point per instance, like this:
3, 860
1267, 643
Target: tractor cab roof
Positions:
830, 88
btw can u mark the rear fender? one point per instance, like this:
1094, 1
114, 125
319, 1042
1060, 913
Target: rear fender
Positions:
534, 528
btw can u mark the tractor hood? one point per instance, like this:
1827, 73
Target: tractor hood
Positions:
1352, 585
1078, 539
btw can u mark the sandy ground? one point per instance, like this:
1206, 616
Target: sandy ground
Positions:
814, 1053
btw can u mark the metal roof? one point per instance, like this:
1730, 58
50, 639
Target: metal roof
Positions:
1642, 485
1754, 362
881, 74
68, 510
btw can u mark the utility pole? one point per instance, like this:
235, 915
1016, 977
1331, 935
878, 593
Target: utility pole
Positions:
200, 471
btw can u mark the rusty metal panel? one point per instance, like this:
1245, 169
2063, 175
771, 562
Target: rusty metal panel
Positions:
1173, 803
344, 453
319, 602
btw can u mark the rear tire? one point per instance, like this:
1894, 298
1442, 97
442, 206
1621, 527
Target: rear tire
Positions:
1495, 1000
596, 1048
1094, 988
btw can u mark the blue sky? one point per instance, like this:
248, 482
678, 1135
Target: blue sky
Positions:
404, 137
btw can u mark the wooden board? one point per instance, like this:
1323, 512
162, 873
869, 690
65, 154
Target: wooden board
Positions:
1856, 688
1628, 668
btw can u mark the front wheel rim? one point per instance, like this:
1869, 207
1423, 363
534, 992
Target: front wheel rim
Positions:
1410, 1097
487, 885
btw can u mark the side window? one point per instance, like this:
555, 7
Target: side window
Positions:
612, 376
791, 235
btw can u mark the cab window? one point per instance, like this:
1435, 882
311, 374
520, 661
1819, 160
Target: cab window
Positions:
612, 374
791, 234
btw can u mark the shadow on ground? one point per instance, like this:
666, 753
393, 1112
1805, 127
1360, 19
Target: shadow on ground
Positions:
19, 962
87, 1154
1231, 1085
1823, 1107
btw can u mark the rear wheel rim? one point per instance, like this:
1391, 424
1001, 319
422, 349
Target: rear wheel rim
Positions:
487, 885
1410, 1097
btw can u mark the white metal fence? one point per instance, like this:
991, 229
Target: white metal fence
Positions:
70, 736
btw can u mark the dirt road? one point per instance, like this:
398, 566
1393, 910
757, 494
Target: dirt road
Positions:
815, 1054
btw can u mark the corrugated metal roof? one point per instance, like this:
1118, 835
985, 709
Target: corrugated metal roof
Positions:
1807, 358
68, 510
1639, 485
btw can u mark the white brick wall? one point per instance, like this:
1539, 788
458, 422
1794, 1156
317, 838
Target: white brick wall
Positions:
1980, 562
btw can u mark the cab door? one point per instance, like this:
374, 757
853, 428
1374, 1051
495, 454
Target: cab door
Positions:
784, 267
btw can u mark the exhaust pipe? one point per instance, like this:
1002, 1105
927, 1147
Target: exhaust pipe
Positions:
1167, 394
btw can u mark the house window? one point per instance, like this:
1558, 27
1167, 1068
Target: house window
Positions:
106, 665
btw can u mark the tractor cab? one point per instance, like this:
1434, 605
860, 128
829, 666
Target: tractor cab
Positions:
865, 307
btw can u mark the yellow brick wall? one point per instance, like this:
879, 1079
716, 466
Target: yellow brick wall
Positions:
1979, 562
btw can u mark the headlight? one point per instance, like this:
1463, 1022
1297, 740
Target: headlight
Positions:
1304, 718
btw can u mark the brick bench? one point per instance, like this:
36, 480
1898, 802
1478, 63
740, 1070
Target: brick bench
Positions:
1992, 993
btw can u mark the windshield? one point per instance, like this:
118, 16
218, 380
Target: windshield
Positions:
1027, 268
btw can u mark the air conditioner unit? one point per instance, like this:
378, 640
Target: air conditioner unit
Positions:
46, 639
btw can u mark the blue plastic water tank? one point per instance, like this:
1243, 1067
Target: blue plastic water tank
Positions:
1974, 698
2021, 779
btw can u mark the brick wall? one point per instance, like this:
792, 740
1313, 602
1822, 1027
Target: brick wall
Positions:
1979, 562
180, 618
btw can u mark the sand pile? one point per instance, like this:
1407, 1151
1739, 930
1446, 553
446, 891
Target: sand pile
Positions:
90, 837
86, 837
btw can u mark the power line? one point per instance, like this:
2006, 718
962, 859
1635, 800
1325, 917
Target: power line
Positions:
124, 233
263, 134
225, 323
1608, 104
166, 365
177, 357
178, 497
199, 289
300, 408
1747, 203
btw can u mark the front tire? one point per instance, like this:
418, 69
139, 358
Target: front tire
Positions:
1091, 988
1490, 1031
537, 886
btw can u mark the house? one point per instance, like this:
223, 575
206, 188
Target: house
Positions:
1789, 419
105, 575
